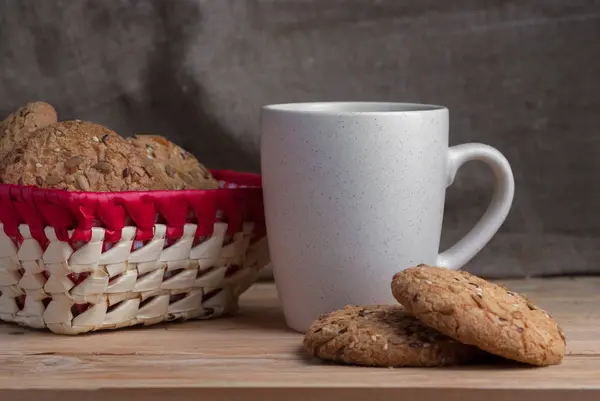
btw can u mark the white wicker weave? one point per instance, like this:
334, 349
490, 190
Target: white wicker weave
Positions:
72, 290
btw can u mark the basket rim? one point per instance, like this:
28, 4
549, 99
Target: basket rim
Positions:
64, 210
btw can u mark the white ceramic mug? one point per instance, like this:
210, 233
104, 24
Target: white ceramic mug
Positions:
354, 192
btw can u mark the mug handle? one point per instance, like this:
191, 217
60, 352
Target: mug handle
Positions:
504, 188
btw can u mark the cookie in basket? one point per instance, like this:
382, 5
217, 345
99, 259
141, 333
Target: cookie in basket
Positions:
80, 156
384, 335
177, 163
21, 123
479, 313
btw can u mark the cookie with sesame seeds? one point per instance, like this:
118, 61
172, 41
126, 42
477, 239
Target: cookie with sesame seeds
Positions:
385, 336
178, 164
80, 156
23, 122
479, 313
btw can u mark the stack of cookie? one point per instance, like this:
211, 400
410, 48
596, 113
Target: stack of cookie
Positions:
446, 317
38, 150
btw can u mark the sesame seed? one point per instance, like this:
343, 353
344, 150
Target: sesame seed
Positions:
38, 165
57, 150
385, 346
373, 338
428, 282
516, 305
95, 138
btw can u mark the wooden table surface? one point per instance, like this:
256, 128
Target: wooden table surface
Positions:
254, 357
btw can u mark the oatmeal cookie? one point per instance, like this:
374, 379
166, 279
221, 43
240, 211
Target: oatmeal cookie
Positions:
80, 156
479, 313
21, 123
383, 335
177, 163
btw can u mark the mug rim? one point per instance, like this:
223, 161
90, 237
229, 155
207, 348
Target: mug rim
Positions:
354, 108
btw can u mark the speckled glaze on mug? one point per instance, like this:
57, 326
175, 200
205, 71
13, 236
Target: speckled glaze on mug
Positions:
354, 192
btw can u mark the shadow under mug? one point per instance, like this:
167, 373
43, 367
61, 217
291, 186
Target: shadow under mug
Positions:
354, 192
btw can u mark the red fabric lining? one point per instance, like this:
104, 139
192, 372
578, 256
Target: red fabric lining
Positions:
63, 210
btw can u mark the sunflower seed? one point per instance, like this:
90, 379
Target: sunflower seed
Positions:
103, 167
138, 171
455, 289
395, 341
73, 162
82, 182
169, 170
52, 180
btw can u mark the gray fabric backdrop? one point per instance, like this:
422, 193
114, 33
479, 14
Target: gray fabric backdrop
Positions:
520, 75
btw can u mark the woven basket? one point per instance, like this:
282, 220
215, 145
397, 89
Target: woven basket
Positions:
75, 262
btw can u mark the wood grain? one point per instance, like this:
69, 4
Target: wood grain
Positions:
254, 356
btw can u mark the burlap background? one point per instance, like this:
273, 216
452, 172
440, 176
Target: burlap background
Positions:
521, 75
